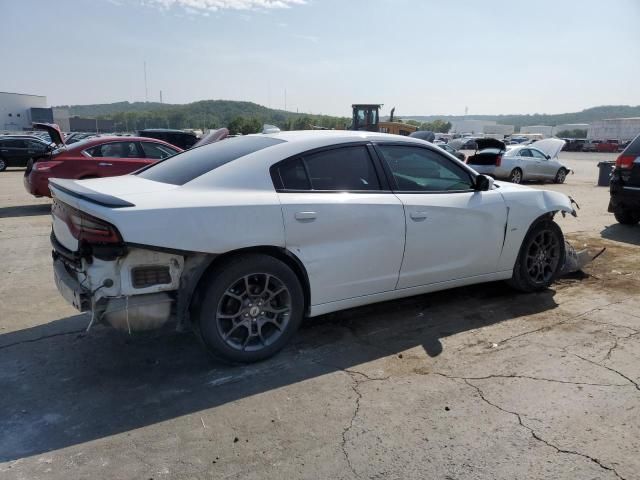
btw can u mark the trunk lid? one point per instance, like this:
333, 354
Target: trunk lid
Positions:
483, 143
549, 146
53, 130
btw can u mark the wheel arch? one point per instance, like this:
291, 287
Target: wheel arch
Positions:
198, 267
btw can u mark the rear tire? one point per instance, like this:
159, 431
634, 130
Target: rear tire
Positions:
561, 176
515, 176
627, 217
251, 307
3, 164
541, 257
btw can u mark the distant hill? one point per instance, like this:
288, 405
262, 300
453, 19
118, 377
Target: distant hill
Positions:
204, 113
588, 115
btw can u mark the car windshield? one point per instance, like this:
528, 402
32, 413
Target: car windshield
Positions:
189, 165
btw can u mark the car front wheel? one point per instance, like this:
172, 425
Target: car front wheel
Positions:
561, 176
540, 258
627, 217
251, 307
3, 165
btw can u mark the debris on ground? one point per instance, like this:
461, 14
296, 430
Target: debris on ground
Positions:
575, 260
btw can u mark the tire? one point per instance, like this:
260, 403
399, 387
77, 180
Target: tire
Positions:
236, 321
515, 176
627, 217
3, 164
561, 176
541, 257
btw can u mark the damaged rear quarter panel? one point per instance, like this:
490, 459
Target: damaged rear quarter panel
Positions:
525, 206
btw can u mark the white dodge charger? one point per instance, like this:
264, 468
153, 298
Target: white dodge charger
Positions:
243, 238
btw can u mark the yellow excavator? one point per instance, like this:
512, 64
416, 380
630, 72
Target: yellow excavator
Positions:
366, 117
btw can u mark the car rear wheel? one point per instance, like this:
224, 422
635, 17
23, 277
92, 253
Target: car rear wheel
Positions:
3, 165
627, 217
561, 176
540, 259
515, 176
252, 305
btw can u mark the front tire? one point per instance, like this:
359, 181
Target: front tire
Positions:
251, 307
627, 217
561, 176
540, 259
515, 176
3, 164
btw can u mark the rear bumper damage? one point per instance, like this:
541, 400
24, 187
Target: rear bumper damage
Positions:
137, 291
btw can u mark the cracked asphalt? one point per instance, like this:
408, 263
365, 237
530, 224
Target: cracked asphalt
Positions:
471, 383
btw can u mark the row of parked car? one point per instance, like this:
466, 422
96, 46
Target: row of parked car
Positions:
584, 145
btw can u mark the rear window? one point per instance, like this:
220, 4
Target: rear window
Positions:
634, 147
189, 165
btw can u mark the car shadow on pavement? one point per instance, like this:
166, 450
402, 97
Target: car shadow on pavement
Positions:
622, 233
25, 210
61, 387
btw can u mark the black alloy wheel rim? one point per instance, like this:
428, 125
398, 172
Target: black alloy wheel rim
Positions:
543, 256
254, 312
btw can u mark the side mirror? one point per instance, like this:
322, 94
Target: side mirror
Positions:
484, 183
548, 157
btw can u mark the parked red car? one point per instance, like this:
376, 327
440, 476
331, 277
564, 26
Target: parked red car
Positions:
608, 146
91, 158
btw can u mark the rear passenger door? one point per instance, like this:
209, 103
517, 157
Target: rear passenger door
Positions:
156, 151
117, 158
342, 221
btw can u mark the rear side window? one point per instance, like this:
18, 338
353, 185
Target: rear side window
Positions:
14, 143
338, 169
189, 165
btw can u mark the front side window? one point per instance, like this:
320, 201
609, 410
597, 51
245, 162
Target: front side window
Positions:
15, 143
157, 151
338, 169
422, 170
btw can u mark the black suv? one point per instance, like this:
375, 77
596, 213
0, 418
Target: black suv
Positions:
16, 151
625, 185
184, 140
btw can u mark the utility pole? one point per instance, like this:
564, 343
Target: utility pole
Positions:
160, 96
96, 124
146, 90
285, 99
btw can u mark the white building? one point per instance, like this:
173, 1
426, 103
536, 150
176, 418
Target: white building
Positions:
498, 129
475, 127
622, 129
570, 126
544, 130
19, 110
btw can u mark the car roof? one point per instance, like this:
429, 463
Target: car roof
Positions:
93, 141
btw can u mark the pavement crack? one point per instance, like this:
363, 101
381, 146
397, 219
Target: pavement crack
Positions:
537, 437
634, 383
527, 377
43, 337
354, 386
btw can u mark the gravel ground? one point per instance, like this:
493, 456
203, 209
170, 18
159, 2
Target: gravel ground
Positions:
475, 382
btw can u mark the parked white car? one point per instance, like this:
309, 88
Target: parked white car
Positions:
244, 237
536, 161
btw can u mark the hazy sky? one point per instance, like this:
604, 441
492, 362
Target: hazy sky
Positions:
422, 56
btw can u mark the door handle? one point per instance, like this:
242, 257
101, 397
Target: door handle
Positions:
305, 216
418, 215
105, 164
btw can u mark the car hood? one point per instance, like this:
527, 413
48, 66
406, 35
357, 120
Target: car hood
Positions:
53, 130
489, 143
549, 146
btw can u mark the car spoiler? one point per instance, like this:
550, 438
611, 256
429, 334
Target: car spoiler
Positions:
73, 188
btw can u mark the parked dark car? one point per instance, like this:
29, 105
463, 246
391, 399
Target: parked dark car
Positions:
17, 150
184, 140
625, 185
456, 153
574, 144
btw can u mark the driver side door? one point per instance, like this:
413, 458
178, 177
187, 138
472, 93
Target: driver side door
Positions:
452, 231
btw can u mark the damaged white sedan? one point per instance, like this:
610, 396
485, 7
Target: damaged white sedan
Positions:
243, 238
